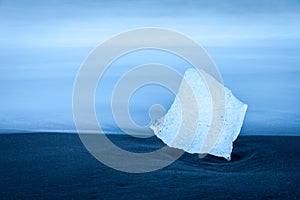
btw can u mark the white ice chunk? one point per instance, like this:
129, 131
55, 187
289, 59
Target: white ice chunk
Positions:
193, 136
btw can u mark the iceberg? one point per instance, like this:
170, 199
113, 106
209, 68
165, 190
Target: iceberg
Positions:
205, 117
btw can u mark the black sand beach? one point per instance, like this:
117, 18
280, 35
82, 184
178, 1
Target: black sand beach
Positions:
57, 166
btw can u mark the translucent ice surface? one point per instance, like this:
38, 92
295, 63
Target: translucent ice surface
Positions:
189, 123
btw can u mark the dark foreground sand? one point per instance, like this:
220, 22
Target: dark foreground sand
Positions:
57, 166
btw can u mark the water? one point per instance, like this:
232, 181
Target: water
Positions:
36, 88
255, 44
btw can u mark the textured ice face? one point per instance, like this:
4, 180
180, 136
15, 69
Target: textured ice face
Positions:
180, 130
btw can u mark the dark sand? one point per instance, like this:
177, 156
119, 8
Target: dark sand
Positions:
57, 166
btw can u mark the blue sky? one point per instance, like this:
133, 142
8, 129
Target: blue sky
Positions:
255, 44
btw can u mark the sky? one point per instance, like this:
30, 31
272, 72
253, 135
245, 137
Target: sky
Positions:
255, 45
